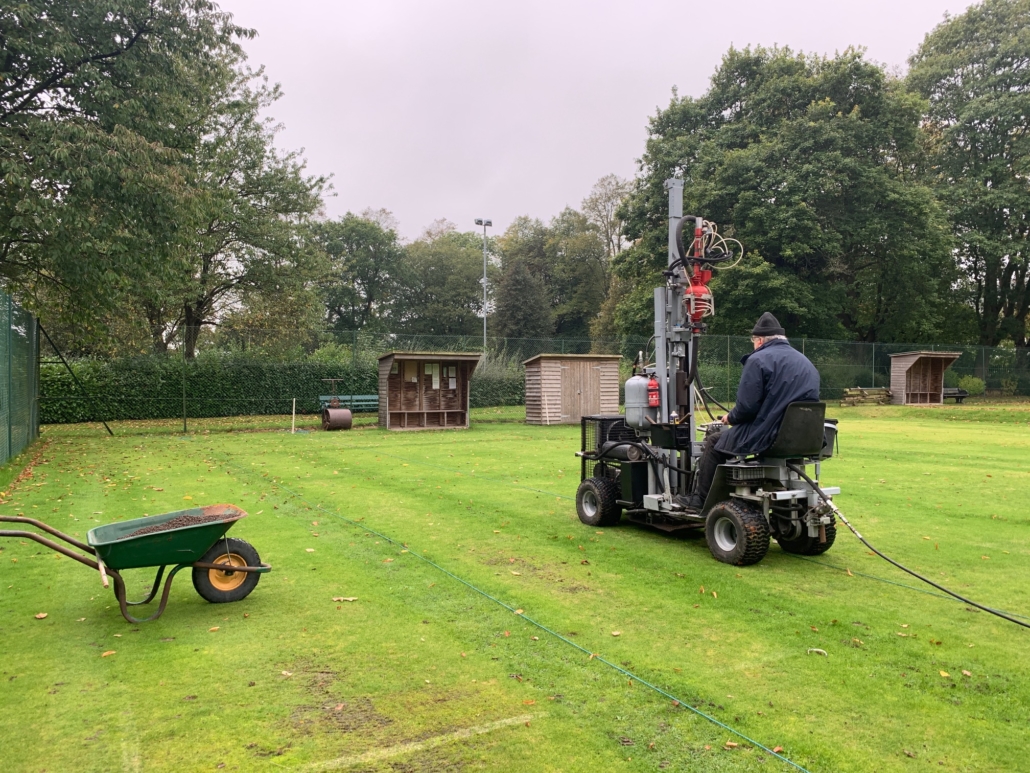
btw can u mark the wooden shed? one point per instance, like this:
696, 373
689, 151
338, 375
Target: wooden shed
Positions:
425, 390
563, 388
917, 378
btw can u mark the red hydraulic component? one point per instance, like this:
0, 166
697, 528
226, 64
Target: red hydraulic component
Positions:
653, 399
697, 297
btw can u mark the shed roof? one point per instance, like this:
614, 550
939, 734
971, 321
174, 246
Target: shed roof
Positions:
573, 357
949, 355
441, 356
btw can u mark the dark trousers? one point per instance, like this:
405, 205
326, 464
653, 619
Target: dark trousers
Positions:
711, 458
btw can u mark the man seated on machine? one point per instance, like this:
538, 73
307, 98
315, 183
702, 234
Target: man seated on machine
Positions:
775, 375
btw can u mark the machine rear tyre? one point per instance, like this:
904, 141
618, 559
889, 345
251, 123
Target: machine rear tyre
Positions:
804, 545
737, 533
220, 587
596, 502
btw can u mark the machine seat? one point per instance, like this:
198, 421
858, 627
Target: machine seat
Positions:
801, 432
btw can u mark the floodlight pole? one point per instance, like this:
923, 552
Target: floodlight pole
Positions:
484, 223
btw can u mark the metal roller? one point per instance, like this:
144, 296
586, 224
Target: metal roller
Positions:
336, 418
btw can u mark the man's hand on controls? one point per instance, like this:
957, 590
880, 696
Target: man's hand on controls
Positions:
725, 419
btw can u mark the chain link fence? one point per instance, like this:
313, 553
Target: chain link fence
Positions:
262, 372
19, 378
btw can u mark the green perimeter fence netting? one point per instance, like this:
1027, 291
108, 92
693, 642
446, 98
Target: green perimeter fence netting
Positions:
19, 378
262, 371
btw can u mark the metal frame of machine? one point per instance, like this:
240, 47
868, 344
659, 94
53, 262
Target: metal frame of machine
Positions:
645, 463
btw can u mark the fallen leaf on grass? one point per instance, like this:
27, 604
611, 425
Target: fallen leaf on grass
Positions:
156, 488
534, 638
187, 497
908, 753
345, 598
105, 654
985, 558
40, 616
81, 620
287, 674
616, 633
518, 611
309, 550
715, 595
817, 651
702, 589
584, 561
517, 574
966, 673
213, 629
777, 749
190, 698
528, 702
387, 560
945, 674
731, 745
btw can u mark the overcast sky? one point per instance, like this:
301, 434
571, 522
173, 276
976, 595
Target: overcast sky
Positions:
458, 109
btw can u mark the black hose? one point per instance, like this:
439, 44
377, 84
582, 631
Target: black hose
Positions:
890, 560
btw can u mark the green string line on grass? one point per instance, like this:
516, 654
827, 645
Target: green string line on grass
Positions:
541, 626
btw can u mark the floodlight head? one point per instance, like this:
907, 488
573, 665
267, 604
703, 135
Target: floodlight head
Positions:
479, 221
488, 222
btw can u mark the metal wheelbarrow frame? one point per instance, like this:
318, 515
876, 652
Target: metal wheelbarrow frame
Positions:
112, 549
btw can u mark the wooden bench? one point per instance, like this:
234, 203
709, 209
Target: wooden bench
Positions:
354, 402
957, 393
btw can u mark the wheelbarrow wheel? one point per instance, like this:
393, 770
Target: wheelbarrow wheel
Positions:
222, 586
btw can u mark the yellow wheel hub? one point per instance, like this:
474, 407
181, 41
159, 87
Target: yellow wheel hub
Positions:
227, 580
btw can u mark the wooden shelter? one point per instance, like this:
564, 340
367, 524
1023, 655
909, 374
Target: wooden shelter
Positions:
425, 390
563, 388
917, 378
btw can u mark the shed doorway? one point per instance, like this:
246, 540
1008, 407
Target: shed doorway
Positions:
580, 390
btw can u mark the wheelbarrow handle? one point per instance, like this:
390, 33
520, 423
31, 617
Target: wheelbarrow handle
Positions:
50, 544
49, 529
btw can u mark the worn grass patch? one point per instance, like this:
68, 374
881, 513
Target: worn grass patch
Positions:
423, 674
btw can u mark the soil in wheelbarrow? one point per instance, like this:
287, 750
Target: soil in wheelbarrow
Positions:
176, 523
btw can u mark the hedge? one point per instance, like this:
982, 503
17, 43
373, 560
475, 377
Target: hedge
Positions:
155, 387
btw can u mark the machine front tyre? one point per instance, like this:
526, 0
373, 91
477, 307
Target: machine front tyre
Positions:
221, 587
805, 545
596, 502
737, 533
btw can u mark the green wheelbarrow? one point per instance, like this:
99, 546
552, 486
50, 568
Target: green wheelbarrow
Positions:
224, 569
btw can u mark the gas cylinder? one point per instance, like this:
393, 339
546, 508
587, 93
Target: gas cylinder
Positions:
637, 403
653, 398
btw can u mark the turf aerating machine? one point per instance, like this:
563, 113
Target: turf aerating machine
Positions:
645, 464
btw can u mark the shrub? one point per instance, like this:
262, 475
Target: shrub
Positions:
975, 386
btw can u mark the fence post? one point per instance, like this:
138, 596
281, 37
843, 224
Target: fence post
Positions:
873, 383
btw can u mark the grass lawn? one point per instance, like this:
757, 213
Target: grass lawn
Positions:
423, 673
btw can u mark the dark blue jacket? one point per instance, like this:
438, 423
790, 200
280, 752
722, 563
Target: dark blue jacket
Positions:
775, 375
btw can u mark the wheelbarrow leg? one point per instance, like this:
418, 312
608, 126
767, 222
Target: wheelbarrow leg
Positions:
119, 593
153, 591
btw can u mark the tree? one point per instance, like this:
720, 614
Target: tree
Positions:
440, 292
975, 71
364, 264
98, 103
811, 163
523, 310
252, 221
579, 277
603, 209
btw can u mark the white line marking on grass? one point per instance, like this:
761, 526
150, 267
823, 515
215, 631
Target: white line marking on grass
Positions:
431, 743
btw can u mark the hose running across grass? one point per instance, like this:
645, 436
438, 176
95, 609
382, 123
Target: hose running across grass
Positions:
950, 595
902, 567
531, 621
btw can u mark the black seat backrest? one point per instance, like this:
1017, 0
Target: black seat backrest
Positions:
800, 433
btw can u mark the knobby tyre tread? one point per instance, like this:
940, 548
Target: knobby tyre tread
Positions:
750, 526
604, 509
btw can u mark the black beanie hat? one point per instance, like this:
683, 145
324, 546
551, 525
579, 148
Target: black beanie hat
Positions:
768, 325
